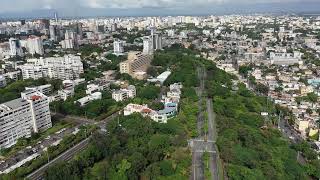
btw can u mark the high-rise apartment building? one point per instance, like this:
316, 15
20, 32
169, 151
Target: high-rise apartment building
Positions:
20, 117
67, 67
34, 45
114, 27
15, 47
53, 31
147, 45
70, 40
157, 41
67, 44
70, 35
44, 23
118, 47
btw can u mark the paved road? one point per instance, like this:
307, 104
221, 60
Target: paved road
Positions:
212, 136
38, 174
76, 119
36, 148
288, 131
197, 145
68, 155
204, 142
81, 120
197, 166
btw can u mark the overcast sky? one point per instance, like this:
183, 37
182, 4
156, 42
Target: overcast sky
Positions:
185, 6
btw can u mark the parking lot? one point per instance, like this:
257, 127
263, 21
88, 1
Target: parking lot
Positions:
27, 154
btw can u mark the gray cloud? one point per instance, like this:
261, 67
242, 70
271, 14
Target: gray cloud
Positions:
84, 8
20, 5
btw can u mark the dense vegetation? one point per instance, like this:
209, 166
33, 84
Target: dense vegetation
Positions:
249, 149
139, 148
182, 64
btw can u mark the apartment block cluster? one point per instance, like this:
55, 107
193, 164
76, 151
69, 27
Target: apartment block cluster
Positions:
94, 92
64, 68
23, 116
124, 93
138, 62
170, 100
8, 76
288, 79
284, 59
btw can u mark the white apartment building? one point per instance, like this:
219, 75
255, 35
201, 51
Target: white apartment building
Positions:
53, 33
135, 108
147, 45
170, 101
85, 100
70, 35
91, 88
15, 47
157, 41
70, 84
67, 44
65, 94
44, 89
34, 45
64, 68
285, 58
20, 117
118, 47
124, 94
12, 75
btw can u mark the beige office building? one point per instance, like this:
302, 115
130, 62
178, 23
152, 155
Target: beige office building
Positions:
136, 65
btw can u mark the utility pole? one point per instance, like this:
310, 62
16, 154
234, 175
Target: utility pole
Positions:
279, 120
47, 153
194, 172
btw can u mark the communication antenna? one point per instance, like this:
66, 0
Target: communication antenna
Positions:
56, 17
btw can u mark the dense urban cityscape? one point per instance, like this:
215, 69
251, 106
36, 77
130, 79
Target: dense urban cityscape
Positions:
162, 97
